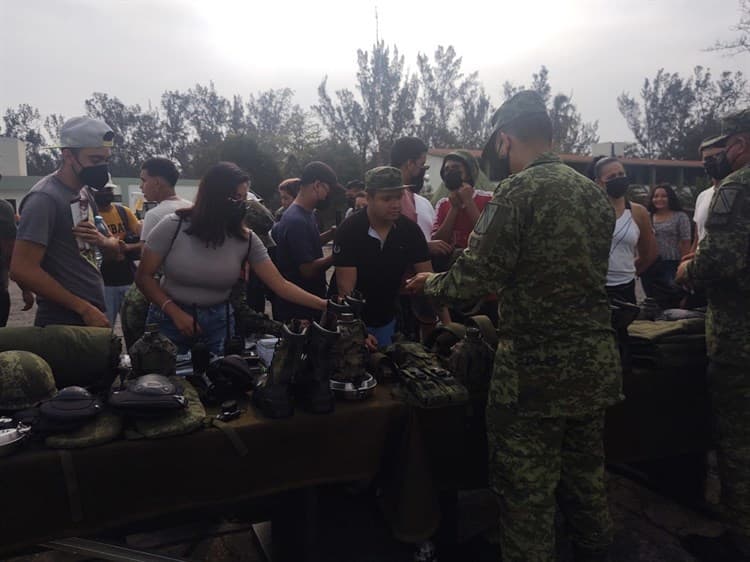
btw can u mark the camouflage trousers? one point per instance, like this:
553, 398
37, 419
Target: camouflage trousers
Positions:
729, 386
536, 464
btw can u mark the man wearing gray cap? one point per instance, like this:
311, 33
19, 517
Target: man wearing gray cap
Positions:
53, 252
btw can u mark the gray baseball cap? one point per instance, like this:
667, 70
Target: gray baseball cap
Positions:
86, 132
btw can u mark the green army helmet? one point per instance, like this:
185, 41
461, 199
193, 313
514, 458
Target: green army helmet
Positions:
638, 193
25, 380
257, 217
686, 197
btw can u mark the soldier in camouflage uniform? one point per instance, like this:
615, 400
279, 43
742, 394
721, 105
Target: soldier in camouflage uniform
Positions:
542, 246
722, 266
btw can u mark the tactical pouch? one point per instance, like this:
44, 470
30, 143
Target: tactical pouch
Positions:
179, 422
73, 403
230, 375
424, 381
148, 396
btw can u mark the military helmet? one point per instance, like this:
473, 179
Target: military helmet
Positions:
638, 194
258, 218
25, 380
686, 197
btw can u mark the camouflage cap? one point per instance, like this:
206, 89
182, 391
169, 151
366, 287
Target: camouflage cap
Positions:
383, 178
734, 124
712, 142
526, 102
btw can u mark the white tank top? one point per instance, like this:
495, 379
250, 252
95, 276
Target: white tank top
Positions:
622, 250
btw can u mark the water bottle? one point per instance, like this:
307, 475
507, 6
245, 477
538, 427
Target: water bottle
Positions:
101, 226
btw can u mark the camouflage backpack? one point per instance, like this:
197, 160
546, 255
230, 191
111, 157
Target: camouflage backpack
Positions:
424, 380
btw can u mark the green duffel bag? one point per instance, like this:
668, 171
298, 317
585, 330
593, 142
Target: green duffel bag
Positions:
77, 355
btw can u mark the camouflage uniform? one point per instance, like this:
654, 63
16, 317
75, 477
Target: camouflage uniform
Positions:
542, 246
722, 267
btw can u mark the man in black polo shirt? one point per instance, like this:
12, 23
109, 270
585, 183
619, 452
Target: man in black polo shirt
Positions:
375, 247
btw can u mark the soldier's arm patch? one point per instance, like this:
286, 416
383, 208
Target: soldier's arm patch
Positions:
725, 206
485, 219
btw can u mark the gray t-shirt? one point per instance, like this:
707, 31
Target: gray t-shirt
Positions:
670, 233
195, 273
46, 219
154, 216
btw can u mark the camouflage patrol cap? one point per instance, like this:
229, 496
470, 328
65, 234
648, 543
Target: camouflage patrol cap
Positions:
734, 124
383, 178
712, 142
526, 102
25, 380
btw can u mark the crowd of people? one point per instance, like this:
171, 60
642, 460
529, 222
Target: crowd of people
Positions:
547, 248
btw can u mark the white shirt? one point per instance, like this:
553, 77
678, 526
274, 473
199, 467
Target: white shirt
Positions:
425, 215
154, 216
702, 203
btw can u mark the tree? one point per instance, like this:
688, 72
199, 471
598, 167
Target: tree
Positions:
674, 113
138, 134
244, 151
25, 123
279, 124
386, 109
570, 133
740, 44
474, 121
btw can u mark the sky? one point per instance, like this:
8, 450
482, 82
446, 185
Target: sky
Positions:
55, 53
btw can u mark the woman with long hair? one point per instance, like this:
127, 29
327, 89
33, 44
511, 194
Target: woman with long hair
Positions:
674, 236
633, 247
201, 251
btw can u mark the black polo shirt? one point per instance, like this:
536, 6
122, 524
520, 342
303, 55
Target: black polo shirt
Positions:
380, 265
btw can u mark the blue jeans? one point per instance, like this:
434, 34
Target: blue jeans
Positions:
113, 296
212, 321
384, 334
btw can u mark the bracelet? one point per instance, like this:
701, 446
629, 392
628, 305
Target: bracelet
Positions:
165, 303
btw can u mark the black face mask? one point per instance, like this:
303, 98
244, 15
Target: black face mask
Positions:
96, 177
721, 167
323, 204
417, 182
616, 187
104, 199
236, 212
453, 180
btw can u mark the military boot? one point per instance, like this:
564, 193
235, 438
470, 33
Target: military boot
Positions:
356, 303
273, 395
313, 390
349, 354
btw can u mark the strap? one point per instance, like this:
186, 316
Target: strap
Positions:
487, 329
232, 435
71, 486
249, 245
174, 237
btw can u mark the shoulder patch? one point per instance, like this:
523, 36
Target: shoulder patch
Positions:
725, 205
485, 219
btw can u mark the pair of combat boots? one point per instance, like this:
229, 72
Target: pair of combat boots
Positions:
307, 358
